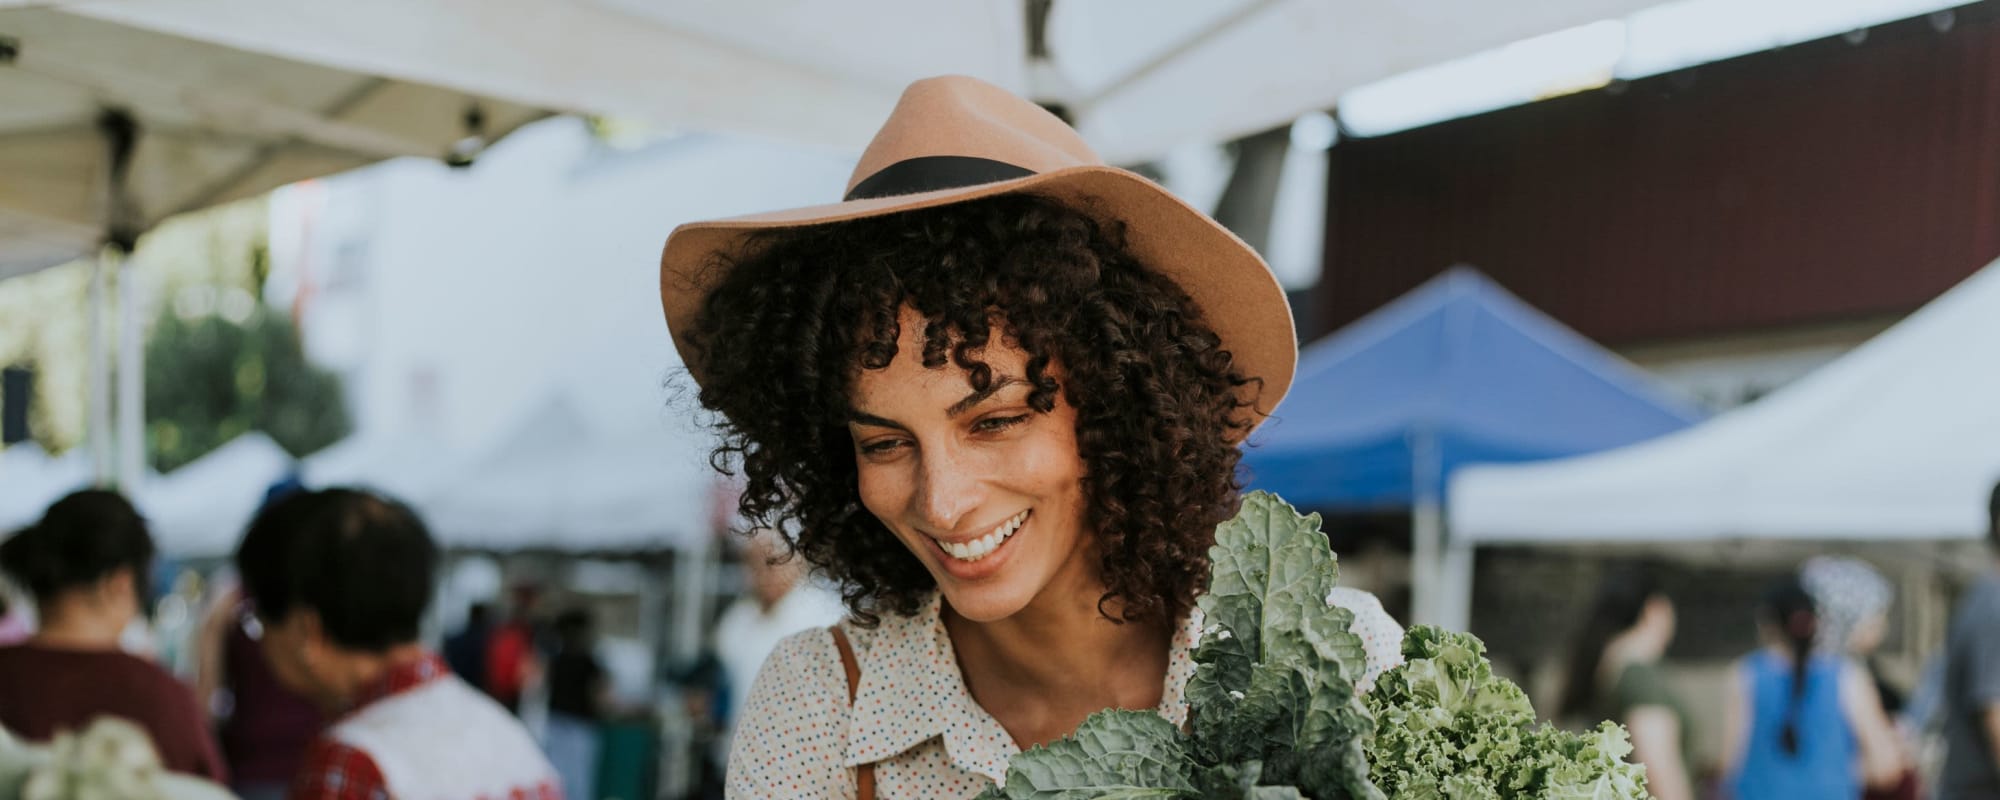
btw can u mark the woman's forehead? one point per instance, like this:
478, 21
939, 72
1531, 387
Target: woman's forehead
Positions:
907, 373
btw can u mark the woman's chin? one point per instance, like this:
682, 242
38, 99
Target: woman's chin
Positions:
988, 603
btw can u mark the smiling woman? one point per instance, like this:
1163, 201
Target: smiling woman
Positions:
996, 396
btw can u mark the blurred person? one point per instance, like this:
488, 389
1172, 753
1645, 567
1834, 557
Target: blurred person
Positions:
465, 650
779, 603
1800, 722
1971, 697
85, 563
13, 622
579, 696
1615, 674
263, 726
513, 662
1852, 600
340, 580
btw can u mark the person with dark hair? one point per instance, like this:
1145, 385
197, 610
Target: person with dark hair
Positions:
1802, 722
1972, 683
1614, 673
465, 650
996, 397
264, 728
579, 694
85, 564
340, 579
1852, 600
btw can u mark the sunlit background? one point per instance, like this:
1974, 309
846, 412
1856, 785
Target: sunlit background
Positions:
1580, 282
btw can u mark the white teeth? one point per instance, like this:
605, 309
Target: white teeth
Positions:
980, 547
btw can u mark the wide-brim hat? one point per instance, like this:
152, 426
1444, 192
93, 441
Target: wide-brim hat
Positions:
953, 139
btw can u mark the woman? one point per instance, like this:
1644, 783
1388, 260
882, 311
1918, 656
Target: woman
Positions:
85, 564
996, 396
1800, 723
1614, 674
1852, 600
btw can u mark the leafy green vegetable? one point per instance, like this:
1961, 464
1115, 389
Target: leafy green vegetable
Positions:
1273, 713
1276, 665
1446, 727
1117, 753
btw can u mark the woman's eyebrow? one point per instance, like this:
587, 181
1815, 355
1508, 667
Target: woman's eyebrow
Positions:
865, 418
980, 396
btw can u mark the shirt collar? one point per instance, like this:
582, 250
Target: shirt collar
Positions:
400, 678
911, 690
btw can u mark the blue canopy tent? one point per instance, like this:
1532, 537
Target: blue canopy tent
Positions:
1456, 372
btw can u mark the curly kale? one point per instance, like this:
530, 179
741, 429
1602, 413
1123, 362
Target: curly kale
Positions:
1273, 713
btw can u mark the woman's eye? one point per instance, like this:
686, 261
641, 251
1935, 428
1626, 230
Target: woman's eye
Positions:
998, 424
881, 447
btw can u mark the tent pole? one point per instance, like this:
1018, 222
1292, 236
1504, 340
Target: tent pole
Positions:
131, 379
100, 374
1455, 582
691, 586
1426, 529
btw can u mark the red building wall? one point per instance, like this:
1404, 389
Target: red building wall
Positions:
1820, 182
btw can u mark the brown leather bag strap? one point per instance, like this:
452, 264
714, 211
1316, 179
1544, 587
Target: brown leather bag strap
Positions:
864, 775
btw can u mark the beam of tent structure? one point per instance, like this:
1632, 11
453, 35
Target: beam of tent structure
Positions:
1138, 76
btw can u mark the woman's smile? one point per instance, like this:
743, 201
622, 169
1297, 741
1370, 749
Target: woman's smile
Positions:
982, 557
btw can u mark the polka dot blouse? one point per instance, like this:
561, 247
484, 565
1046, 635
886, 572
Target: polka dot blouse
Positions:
912, 716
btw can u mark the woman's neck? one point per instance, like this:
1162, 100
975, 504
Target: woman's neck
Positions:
67, 625
1058, 660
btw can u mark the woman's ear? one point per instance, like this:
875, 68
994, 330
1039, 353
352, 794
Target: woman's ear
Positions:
311, 633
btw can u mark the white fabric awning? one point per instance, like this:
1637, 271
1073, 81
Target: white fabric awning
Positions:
1140, 76
201, 509
1897, 440
205, 124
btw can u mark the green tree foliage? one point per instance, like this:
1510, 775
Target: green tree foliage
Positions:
210, 379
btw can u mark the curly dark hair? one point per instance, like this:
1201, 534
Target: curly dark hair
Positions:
1160, 404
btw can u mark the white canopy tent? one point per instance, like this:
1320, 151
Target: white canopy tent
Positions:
1898, 440
599, 462
1139, 76
33, 479
560, 482
107, 129
201, 509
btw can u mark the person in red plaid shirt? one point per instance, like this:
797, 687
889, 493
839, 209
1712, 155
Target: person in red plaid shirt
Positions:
340, 579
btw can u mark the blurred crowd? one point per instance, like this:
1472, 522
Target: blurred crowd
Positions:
308, 674
1810, 713
311, 678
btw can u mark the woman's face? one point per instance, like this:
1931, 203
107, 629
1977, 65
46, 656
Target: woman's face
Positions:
987, 492
1867, 634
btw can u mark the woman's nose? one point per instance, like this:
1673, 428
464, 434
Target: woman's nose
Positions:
947, 490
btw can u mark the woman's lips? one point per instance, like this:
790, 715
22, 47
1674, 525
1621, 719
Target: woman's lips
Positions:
986, 566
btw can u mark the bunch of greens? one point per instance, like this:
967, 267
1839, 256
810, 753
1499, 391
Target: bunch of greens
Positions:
1447, 728
1273, 712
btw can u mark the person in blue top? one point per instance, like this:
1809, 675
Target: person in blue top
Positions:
1801, 724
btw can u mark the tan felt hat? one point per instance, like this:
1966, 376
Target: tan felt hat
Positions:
954, 138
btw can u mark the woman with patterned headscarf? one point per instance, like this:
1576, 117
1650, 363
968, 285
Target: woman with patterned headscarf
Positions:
1852, 600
